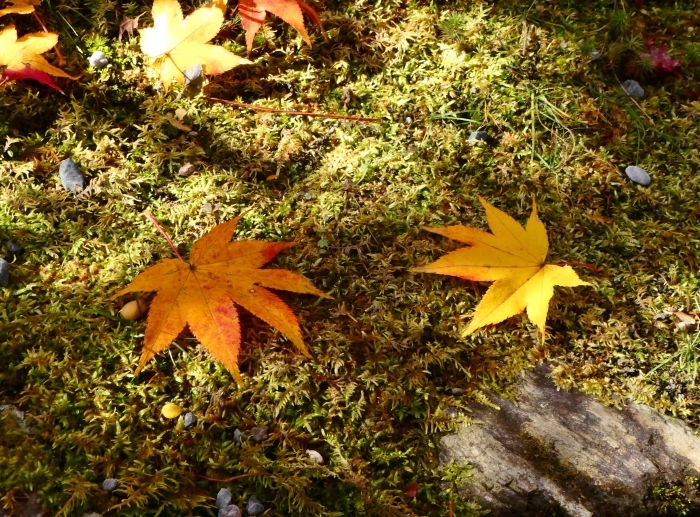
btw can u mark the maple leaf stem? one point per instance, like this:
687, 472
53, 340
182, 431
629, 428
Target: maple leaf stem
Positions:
234, 478
61, 61
354, 118
3, 80
593, 268
160, 229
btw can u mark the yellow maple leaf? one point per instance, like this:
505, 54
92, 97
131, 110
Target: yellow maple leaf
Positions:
513, 258
201, 295
22, 57
176, 43
19, 7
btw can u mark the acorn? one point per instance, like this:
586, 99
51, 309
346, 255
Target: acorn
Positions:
134, 309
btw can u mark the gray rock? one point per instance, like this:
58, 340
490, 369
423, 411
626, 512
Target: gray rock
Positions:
457, 391
595, 55
223, 498
16, 414
254, 507
186, 170
315, 456
259, 433
230, 511
98, 60
237, 435
109, 484
633, 88
4, 272
194, 77
479, 136
190, 419
71, 177
638, 175
14, 249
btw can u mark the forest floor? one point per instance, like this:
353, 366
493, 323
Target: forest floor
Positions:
388, 357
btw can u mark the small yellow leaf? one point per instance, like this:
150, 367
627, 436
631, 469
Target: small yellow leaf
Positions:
19, 7
171, 410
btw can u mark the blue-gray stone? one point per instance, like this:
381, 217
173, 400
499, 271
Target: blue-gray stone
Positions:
71, 177
194, 77
4, 273
223, 498
186, 170
237, 435
14, 249
230, 511
98, 60
254, 507
633, 88
638, 175
109, 484
479, 136
190, 419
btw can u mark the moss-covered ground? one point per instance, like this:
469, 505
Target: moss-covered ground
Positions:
387, 350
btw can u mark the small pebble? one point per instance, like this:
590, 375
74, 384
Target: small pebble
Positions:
194, 78
71, 177
254, 507
259, 433
14, 249
190, 419
478, 136
109, 484
315, 456
457, 391
633, 88
595, 55
186, 170
638, 175
4, 273
230, 511
237, 435
98, 60
223, 498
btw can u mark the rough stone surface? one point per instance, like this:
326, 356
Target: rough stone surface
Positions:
109, 484
633, 89
98, 60
230, 510
71, 177
186, 170
638, 175
259, 433
190, 419
479, 136
4, 273
223, 498
254, 507
563, 453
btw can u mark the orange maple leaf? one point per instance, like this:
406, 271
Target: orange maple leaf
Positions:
253, 13
201, 295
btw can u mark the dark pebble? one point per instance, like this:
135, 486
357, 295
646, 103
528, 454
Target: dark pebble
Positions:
190, 419
70, 175
109, 484
479, 136
254, 507
230, 511
4, 273
457, 391
186, 170
237, 435
259, 433
633, 89
14, 249
223, 498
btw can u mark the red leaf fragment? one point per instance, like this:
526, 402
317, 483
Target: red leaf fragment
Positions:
29, 73
660, 58
412, 489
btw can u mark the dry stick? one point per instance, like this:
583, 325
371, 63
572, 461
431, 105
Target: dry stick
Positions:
299, 113
234, 478
160, 229
61, 61
451, 514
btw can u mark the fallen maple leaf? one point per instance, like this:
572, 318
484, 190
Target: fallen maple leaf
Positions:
513, 258
660, 58
20, 7
254, 12
201, 295
128, 25
22, 57
175, 43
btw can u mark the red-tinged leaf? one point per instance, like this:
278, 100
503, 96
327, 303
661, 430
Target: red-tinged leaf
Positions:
254, 12
412, 490
30, 73
660, 58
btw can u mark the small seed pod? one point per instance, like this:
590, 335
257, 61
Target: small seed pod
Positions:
134, 309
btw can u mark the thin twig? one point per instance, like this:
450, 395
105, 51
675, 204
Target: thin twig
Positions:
593, 268
451, 510
160, 229
354, 118
61, 61
234, 478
